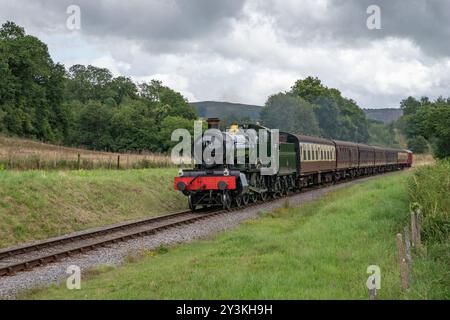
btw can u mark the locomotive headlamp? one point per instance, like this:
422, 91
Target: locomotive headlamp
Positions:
226, 173
180, 173
222, 185
181, 186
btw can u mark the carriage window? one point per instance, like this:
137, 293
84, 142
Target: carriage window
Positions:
317, 155
304, 154
321, 154
309, 154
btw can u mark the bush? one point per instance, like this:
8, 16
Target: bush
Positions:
430, 188
418, 144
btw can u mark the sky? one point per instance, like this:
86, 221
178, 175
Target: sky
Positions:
246, 50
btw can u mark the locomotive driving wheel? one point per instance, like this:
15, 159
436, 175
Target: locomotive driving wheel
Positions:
192, 206
238, 201
261, 184
264, 196
284, 187
226, 200
245, 199
276, 191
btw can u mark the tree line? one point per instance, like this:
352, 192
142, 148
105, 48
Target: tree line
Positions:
83, 106
311, 108
426, 125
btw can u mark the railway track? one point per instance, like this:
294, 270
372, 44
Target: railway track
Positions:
27, 257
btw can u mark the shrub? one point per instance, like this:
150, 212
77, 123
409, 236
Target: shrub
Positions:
430, 188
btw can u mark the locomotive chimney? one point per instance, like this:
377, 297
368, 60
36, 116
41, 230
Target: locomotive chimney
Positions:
213, 123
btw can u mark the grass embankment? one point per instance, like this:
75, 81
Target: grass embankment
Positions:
430, 188
316, 251
39, 204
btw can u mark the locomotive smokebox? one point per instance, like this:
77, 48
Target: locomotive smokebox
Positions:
213, 123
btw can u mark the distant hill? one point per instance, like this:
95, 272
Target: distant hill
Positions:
217, 109
386, 115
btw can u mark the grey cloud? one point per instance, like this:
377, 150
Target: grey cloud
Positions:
425, 22
171, 25
193, 40
160, 21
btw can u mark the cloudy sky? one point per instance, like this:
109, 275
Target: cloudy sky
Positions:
243, 51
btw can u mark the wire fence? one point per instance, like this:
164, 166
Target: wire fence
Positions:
21, 154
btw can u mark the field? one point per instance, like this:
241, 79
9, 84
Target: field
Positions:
23, 154
39, 204
319, 250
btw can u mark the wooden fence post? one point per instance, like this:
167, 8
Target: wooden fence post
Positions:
402, 262
413, 229
416, 226
408, 252
78, 161
118, 162
418, 218
373, 294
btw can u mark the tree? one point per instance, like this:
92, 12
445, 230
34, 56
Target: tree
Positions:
418, 144
426, 122
381, 134
437, 124
123, 87
89, 83
170, 124
410, 105
338, 117
93, 128
290, 113
309, 89
29, 86
170, 102
85, 105
133, 127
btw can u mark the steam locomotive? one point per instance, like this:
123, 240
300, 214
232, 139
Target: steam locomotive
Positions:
302, 161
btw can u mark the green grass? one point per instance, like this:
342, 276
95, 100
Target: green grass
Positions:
40, 204
429, 187
319, 250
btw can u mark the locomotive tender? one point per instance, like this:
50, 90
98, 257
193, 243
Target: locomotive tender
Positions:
303, 161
